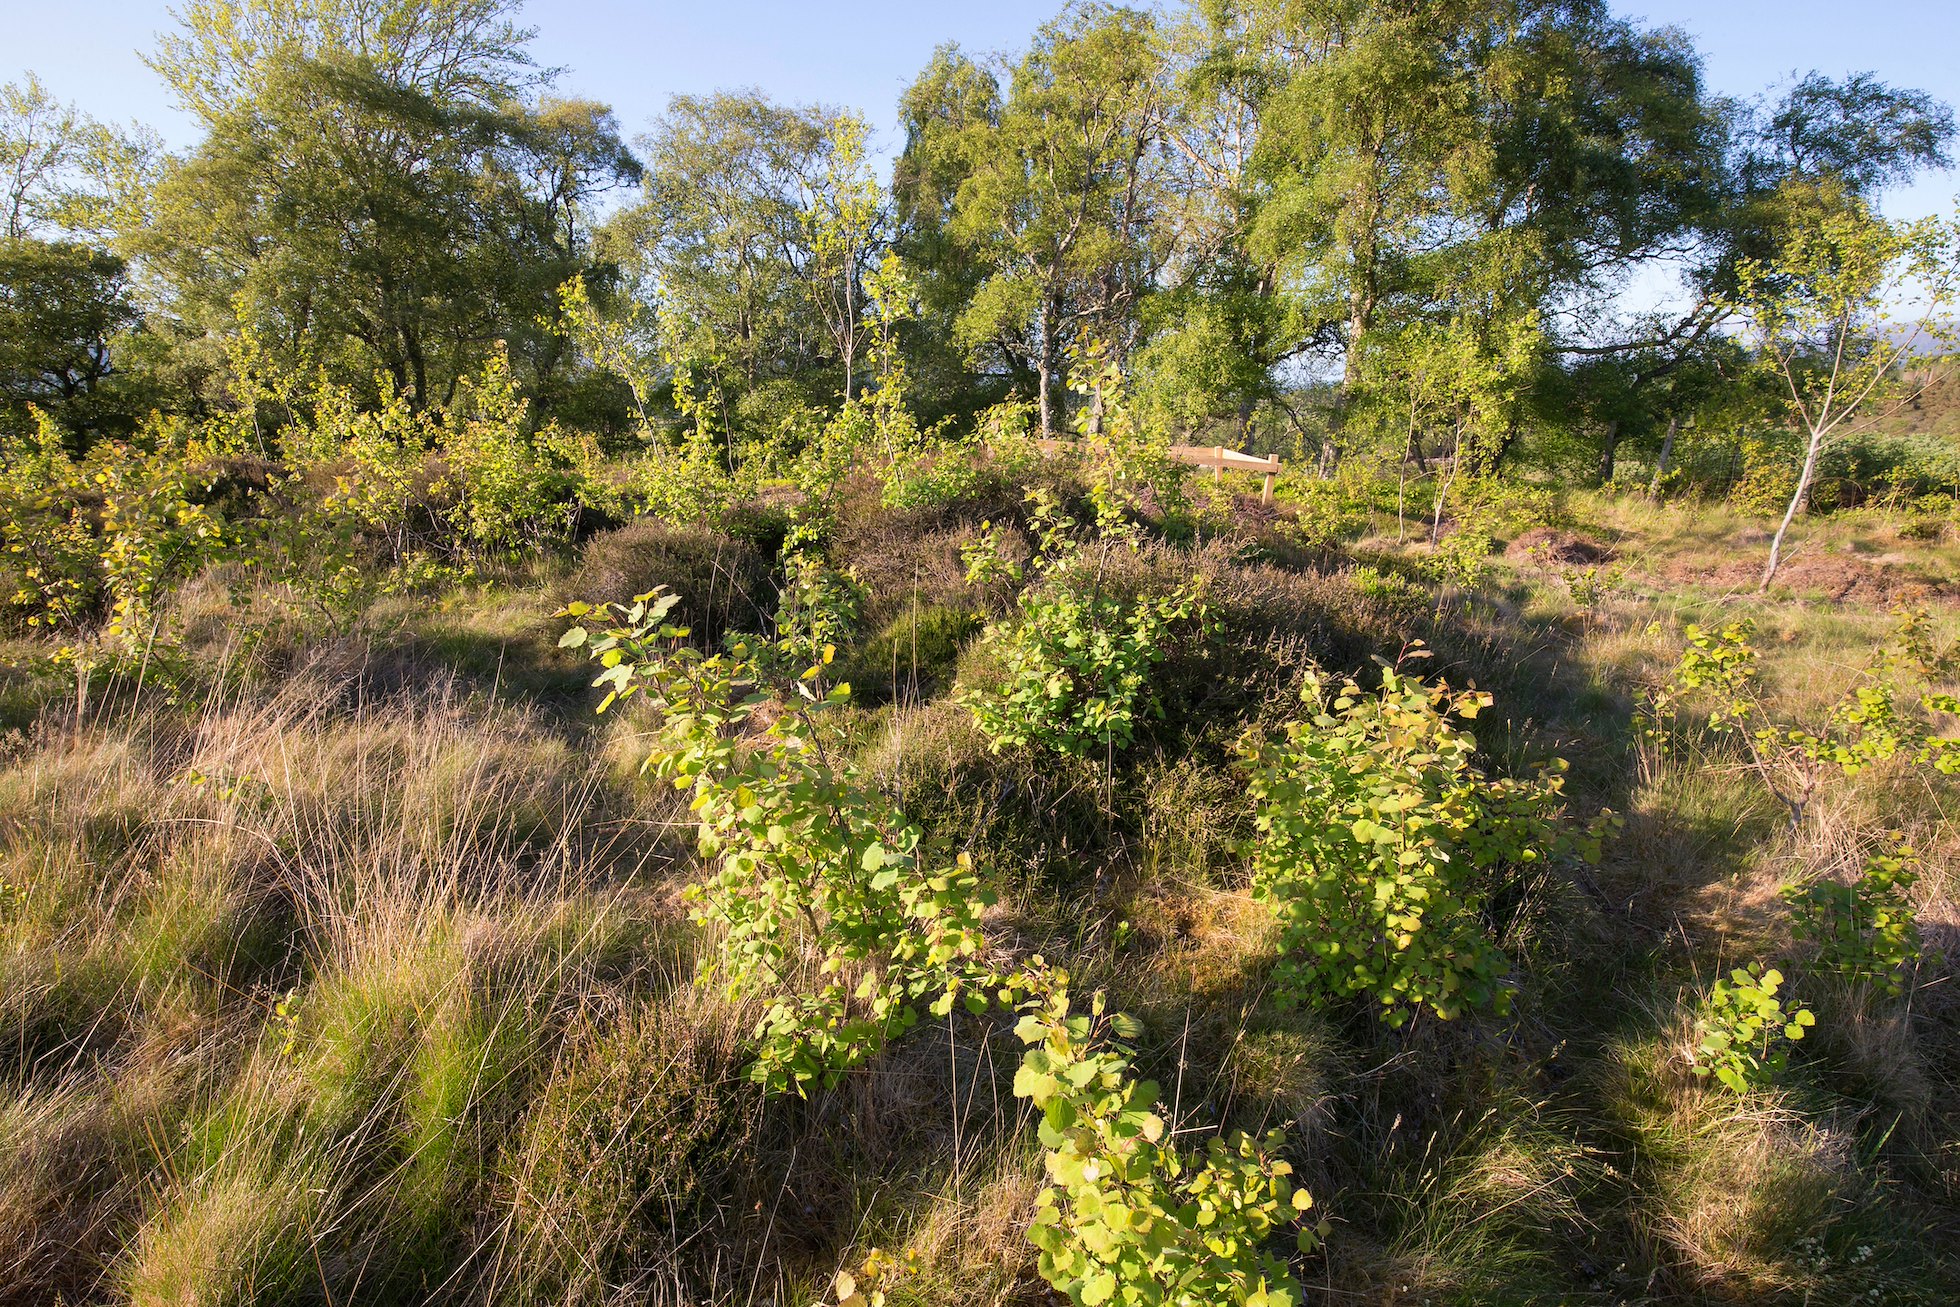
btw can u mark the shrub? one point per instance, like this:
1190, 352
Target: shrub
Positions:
1931, 518
1126, 1217
1509, 508
1378, 840
121, 527
513, 487
1329, 513
1075, 665
814, 872
1590, 586
1128, 461
53, 555
1461, 558
816, 611
1386, 587
1743, 1029
1865, 931
1862, 729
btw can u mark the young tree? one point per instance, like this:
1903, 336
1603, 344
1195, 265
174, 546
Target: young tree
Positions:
1819, 316
843, 212
1764, 169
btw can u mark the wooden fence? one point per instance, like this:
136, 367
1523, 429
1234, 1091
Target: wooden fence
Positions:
1216, 457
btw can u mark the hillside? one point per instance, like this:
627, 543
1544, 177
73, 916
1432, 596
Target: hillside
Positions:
349, 960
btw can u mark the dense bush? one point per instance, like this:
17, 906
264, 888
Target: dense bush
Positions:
1865, 932
112, 533
1074, 666
1380, 842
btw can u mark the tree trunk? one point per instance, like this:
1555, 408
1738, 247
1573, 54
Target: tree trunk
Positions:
1667, 452
1797, 502
1609, 449
1048, 366
850, 332
1443, 491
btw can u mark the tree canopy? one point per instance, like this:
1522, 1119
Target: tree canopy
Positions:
1284, 219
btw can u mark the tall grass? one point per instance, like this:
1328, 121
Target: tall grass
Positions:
368, 979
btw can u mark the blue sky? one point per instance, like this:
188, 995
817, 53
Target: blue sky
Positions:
635, 55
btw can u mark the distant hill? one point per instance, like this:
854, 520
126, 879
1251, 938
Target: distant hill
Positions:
1935, 409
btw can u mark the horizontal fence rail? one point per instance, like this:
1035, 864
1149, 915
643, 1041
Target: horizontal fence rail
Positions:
1216, 457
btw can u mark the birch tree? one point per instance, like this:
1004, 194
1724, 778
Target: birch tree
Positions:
1821, 316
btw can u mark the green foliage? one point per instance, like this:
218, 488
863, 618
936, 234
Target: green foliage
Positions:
619, 344
1864, 931
1507, 509
687, 480
512, 486
1932, 518
753, 224
1044, 192
818, 611
1590, 586
1380, 840
468, 481
1865, 726
55, 572
60, 306
1075, 664
1818, 310
1127, 459
1329, 513
1718, 668
1461, 558
815, 875
1915, 648
120, 527
919, 467
1126, 1217
378, 201
1390, 587
985, 564
841, 218
1743, 1031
